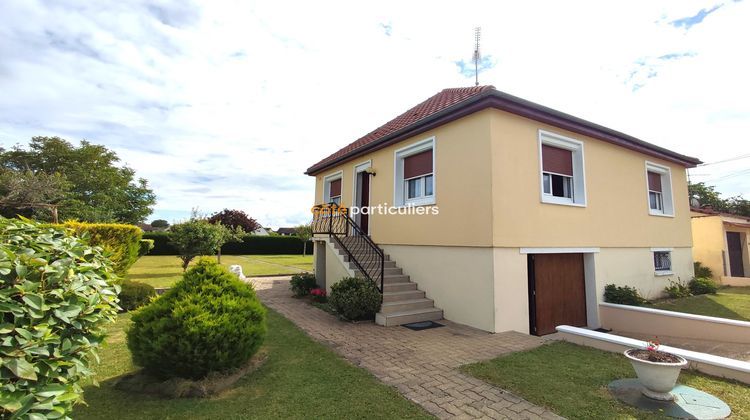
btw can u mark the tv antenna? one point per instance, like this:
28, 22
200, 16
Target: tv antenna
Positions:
477, 54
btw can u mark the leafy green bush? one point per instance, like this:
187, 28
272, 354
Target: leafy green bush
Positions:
198, 237
134, 294
355, 298
623, 295
121, 243
701, 271
701, 286
301, 284
56, 292
146, 246
677, 290
208, 322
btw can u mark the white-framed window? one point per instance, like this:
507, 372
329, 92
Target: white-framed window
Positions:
562, 176
662, 261
659, 189
332, 188
415, 174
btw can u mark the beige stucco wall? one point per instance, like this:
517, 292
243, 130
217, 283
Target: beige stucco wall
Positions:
616, 213
634, 267
462, 188
458, 279
511, 296
335, 269
708, 243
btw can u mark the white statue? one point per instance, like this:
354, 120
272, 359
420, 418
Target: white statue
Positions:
237, 269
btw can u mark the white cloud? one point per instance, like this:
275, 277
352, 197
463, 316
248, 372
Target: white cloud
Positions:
226, 103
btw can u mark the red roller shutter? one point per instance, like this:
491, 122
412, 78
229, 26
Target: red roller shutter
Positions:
559, 161
654, 181
418, 165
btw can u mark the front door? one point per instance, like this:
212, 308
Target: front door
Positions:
557, 292
734, 243
363, 200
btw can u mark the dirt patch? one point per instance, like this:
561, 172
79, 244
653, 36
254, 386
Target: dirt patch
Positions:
213, 384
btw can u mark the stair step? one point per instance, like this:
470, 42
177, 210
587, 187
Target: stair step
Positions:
359, 256
407, 317
406, 305
386, 265
390, 271
399, 287
404, 295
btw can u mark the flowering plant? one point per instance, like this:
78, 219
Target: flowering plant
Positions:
652, 345
318, 294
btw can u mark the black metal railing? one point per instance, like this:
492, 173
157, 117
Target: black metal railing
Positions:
332, 220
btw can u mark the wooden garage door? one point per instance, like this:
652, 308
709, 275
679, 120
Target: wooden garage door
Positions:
558, 294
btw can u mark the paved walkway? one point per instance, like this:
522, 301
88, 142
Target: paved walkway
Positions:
422, 365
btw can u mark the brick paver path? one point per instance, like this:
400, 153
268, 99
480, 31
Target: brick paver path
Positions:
422, 365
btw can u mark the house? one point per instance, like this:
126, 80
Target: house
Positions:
261, 231
721, 243
287, 231
501, 214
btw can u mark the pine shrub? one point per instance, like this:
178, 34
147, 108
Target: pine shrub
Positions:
208, 322
134, 294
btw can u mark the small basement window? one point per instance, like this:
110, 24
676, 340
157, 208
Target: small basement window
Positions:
562, 170
662, 262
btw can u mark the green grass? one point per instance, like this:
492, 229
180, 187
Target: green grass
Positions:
300, 379
572, 381
729, 302
165, 270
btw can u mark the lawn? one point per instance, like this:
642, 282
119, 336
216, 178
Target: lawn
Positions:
164, 270
300, 379
572, 381
729, 302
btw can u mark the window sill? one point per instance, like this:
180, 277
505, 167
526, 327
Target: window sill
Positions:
561, 202
663, 273
655, 213
418, 203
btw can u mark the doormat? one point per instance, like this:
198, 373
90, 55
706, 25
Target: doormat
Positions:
419, 326
604, 330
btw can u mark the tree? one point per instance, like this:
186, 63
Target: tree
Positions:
198, 237
160, 224
707, 196
98, 190
31, 195
235, 219
304, 232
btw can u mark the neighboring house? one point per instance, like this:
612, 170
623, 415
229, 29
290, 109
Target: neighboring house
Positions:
286, 231
537, 211
147, 227
261, 231
721, 243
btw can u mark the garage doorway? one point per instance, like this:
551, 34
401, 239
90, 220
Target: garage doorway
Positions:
557, 292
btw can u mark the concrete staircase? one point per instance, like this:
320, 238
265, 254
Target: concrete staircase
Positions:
403, 302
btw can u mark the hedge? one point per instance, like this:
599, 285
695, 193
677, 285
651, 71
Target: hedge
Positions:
250, 245
121, 243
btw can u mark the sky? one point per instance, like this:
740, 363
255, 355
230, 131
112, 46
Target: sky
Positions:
224, 104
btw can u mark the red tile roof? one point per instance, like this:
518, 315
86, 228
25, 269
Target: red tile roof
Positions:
436, 103
450, 104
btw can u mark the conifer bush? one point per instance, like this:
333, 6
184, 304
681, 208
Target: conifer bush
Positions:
209, 321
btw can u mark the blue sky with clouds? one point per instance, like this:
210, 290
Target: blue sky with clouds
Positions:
226, 103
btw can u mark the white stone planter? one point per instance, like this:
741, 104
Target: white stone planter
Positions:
657, 378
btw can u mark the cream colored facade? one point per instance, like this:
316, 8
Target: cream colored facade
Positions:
710, 246
471, 258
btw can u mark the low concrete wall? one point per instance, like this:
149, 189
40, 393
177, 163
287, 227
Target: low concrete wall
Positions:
707, 363
656, 322
735, 281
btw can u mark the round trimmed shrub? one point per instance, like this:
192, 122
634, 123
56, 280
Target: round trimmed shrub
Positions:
701, 286
302, 284
355, 298
56, 295
134, 294
209, 321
